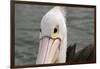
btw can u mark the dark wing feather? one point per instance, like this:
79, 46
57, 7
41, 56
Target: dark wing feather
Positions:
86, 55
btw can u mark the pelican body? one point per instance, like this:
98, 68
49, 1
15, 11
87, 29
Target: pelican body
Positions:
53, 37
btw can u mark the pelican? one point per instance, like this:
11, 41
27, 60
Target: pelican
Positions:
53, 37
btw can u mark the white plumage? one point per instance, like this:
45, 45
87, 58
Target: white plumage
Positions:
53, 37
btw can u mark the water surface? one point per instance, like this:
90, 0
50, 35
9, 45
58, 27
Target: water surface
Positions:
80, 25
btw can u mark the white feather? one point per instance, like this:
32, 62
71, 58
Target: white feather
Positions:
56, 16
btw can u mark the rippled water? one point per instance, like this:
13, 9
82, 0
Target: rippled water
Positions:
80, 24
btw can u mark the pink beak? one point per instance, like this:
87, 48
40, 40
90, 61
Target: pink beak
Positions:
48, 50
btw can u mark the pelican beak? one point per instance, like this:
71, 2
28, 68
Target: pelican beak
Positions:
48, 50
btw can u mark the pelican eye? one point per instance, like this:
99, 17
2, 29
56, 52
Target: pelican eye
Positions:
55, 30
40, 30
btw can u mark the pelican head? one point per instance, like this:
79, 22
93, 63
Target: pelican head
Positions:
53, 37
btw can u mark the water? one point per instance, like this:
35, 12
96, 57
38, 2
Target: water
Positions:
80, 23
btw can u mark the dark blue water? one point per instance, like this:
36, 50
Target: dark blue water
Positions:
80, 24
